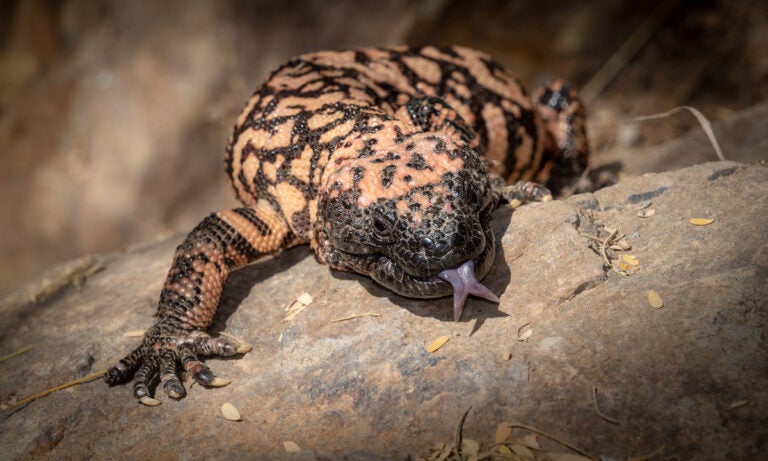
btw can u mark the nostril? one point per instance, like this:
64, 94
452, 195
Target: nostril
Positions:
435, 245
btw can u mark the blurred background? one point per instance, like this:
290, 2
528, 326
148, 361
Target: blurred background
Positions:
114, 114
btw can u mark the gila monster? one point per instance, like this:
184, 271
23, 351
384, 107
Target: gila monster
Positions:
389, 162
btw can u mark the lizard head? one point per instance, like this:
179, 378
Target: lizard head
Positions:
417, 220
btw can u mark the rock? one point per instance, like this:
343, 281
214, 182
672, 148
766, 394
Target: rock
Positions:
366, 387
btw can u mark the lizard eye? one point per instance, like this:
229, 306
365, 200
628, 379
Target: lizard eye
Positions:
381, 226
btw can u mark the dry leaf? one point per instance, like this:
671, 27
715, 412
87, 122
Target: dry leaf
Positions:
739, 403
305, 298
293, 309
654, 299
701, 221
646, 213
502, 433
291, 447
442, 452
470, 448
437, 344
503, 449
630, 259
230, 412
530, 441
523, 452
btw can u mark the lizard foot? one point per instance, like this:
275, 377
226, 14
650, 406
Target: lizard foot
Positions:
523, 192
163, 354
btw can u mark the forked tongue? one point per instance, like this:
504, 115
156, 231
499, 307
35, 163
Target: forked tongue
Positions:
464, 284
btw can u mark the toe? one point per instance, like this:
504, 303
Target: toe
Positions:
122, 371
144, 377
169, 377
204, 375
206, 345
194, 367
118, 374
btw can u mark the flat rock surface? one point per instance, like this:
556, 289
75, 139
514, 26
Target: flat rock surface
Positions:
349, 375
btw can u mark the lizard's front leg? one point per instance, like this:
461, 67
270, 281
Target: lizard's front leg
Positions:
221, 243
519, 193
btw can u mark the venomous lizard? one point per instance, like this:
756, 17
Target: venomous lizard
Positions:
388, 162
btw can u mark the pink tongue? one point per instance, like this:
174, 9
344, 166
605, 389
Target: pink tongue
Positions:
464, 284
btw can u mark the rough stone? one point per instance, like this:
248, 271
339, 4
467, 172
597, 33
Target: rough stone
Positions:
366, 387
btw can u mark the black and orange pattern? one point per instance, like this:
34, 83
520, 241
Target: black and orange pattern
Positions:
388, 162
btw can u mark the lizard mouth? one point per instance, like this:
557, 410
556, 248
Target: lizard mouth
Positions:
460, 280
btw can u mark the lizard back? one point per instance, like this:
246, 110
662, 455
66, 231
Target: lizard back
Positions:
310, 111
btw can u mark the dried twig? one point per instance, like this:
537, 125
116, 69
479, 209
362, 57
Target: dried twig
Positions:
443, 451
597, 408
14, 354
551, 437
457, 435
604, 244
82, 380
703, 122
355, 316
519, 330
70, 273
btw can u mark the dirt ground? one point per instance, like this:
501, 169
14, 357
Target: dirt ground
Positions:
113, 118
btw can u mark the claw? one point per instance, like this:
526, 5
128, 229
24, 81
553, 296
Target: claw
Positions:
219, 382
149, 401
464, 284
243, 348
224, 346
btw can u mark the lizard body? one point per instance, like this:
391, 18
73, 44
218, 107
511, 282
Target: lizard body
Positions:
387, 162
